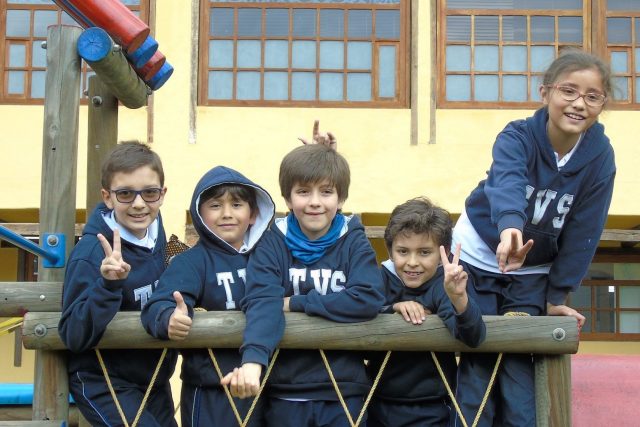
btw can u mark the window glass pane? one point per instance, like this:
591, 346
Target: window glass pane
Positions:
582, 297
388, 24
629, 296
331, 54
542, 57
514, 58
459, 28
248, 85
570, 29
542, 29
30, 2
221, 53
514, 28
387, 72
629, 323
331, 87
38, 54
587, 324
619, 30
277, 23
359, 55
17, 23
304, 22
486, 28
41, 20
514, 88
486, 88
620, 89
303, 86
249, 53
16, 82
637, 90
536, 81
276, 85
249, 22
220, 84
458, 88
359, 24
303, 54
485, 58
623, 5
221, 22
605, 321
515, 4
37, 84
619, 62
332, 23
17, 55
276, 54
67, 20
458, 58
359, 87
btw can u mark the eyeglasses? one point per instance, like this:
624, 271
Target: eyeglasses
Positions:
149, 195
570, 94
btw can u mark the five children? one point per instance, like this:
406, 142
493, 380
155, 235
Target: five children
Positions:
524, 240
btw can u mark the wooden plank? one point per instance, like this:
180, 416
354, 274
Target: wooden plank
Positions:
29, 229
385, 332
553, 390
33, 423
22, 413
102, 136
21, 297
58, 197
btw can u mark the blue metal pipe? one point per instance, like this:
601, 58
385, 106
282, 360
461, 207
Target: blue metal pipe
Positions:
28, 245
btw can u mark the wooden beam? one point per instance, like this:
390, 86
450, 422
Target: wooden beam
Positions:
58, 198
19, 298
553, 390
543, 334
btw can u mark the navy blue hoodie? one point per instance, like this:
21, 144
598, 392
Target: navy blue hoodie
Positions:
344, 285
410, 376
211, 275
563, 211
89, 303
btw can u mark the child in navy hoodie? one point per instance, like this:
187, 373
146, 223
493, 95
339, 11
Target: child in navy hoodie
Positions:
529, 231
419, 279
316, 261
230, 214
115, 267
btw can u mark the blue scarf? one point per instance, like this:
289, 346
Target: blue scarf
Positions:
309, 251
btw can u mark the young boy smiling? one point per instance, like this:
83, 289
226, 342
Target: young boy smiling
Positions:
316, 261
230, 214
419, 279
114, 267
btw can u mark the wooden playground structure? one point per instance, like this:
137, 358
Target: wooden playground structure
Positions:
551, 339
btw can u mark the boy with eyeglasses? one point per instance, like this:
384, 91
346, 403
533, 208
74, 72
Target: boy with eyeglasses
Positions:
115, 267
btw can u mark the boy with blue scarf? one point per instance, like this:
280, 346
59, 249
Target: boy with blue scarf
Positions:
317, 261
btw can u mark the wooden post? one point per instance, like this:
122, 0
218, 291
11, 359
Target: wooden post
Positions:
553, 390
102, 136
58, 198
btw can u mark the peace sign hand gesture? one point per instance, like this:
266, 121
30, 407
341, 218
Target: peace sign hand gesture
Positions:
455, 280
113, 266
511, 253
327, 139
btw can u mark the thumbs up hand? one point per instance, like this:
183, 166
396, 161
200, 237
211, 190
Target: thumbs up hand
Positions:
179, 322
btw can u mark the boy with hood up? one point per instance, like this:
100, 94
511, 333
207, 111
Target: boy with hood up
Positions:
230, 214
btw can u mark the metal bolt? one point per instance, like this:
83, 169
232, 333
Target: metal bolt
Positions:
85, 92
96, 100
52, 240
559, 334
43, 45
40, 330
42, 298
117, 48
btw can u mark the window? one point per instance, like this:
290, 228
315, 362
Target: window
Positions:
496, 51
22, 59
609, 298
314, 53
623, 47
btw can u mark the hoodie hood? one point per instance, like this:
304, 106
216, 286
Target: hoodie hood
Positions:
593, 143
223, 175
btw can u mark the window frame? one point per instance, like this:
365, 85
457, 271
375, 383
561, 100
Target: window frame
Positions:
402, 67
29, 40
